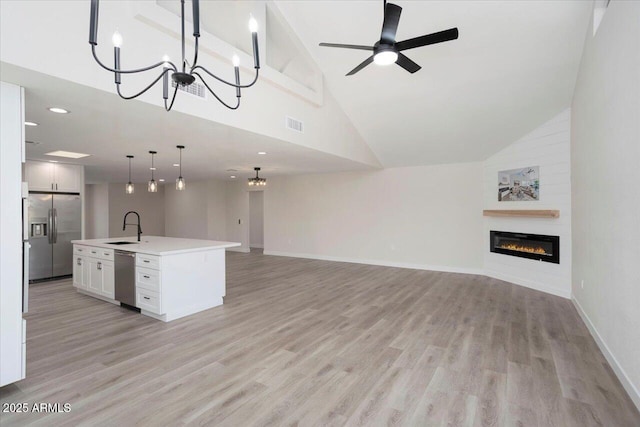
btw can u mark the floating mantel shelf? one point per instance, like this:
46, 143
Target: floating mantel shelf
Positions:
531, 213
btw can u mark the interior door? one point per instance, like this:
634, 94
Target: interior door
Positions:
40, 236
67, 226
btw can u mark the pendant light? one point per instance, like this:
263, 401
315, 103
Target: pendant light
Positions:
257, 181
129, 189
153, 185
180, 184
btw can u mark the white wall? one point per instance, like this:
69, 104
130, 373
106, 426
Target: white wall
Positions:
256, 219
198, 212
11, 146
546, 147
150, 206
605, 162
421, 217
96, 211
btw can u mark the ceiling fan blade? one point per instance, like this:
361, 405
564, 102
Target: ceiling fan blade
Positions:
390, 23
407, 64
439, 37
364, 63
347, 46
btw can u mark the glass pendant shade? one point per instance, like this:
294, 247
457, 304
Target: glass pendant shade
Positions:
180, 184
152, 187
129, 188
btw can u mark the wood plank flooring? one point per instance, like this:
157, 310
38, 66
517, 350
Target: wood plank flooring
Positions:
306, 342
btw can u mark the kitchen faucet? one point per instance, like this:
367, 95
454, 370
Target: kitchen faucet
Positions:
124, 223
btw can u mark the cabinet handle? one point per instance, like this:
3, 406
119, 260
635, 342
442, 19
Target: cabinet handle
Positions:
93, 252
145, 260
56, 186
146, 277
52, 185
146, 298
79, 261
99, 266
106, 253
79, 250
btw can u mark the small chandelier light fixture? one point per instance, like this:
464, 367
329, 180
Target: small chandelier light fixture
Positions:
153, 185
257, 181
129, 188
184, 75
180, 184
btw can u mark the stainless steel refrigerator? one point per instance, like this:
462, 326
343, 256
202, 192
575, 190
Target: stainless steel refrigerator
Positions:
54, 221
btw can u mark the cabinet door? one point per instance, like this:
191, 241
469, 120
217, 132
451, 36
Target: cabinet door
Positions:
39, 176
78, 272
95, 275
67, 178
108, 279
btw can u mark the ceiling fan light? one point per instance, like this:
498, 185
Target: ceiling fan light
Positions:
386, 57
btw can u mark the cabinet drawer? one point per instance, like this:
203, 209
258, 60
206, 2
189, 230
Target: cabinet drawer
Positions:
101, 253
148, 279
81, 250
148, 300
148, 261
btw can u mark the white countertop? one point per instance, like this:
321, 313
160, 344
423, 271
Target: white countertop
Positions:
158, 245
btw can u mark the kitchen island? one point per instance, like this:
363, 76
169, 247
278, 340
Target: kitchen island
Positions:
168, 278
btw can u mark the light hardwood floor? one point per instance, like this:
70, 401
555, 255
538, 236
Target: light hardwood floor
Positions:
305, 342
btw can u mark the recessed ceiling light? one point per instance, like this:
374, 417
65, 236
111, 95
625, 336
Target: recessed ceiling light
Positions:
53, 161
232, 176
30, 124
176, 165
262, 152
161, 180
68, 154
58, 110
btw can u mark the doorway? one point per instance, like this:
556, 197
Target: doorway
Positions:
256, 220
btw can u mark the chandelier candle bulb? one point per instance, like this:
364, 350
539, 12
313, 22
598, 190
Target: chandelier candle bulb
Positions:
117, 39
236, 70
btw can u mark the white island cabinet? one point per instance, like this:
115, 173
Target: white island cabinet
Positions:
173, 277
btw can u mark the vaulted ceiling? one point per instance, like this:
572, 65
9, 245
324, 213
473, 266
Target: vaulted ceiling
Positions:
513, 67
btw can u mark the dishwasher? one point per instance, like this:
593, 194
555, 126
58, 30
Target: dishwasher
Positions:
125, 277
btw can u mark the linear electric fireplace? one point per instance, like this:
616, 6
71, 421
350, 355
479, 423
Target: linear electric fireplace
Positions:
532, 246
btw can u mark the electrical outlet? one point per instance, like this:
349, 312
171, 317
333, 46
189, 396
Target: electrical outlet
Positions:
582, 283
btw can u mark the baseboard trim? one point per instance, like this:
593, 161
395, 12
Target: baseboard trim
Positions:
443, 268
631, 389
528, 284
256, 246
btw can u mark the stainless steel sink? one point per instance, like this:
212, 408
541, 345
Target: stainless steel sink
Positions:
122, 243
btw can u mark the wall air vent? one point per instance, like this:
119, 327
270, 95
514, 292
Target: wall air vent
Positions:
195, 89
294, 124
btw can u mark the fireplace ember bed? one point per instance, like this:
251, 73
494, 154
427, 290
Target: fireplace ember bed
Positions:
533, 246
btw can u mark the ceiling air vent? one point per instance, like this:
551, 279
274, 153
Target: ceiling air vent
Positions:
294, 124
195, 89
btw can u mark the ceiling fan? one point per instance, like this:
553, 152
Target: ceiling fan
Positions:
386, 51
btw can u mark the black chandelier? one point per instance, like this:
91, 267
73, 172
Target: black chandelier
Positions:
257, 181
184, 76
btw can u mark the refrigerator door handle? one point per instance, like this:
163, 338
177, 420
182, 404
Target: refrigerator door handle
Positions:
55, 225
50, 225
